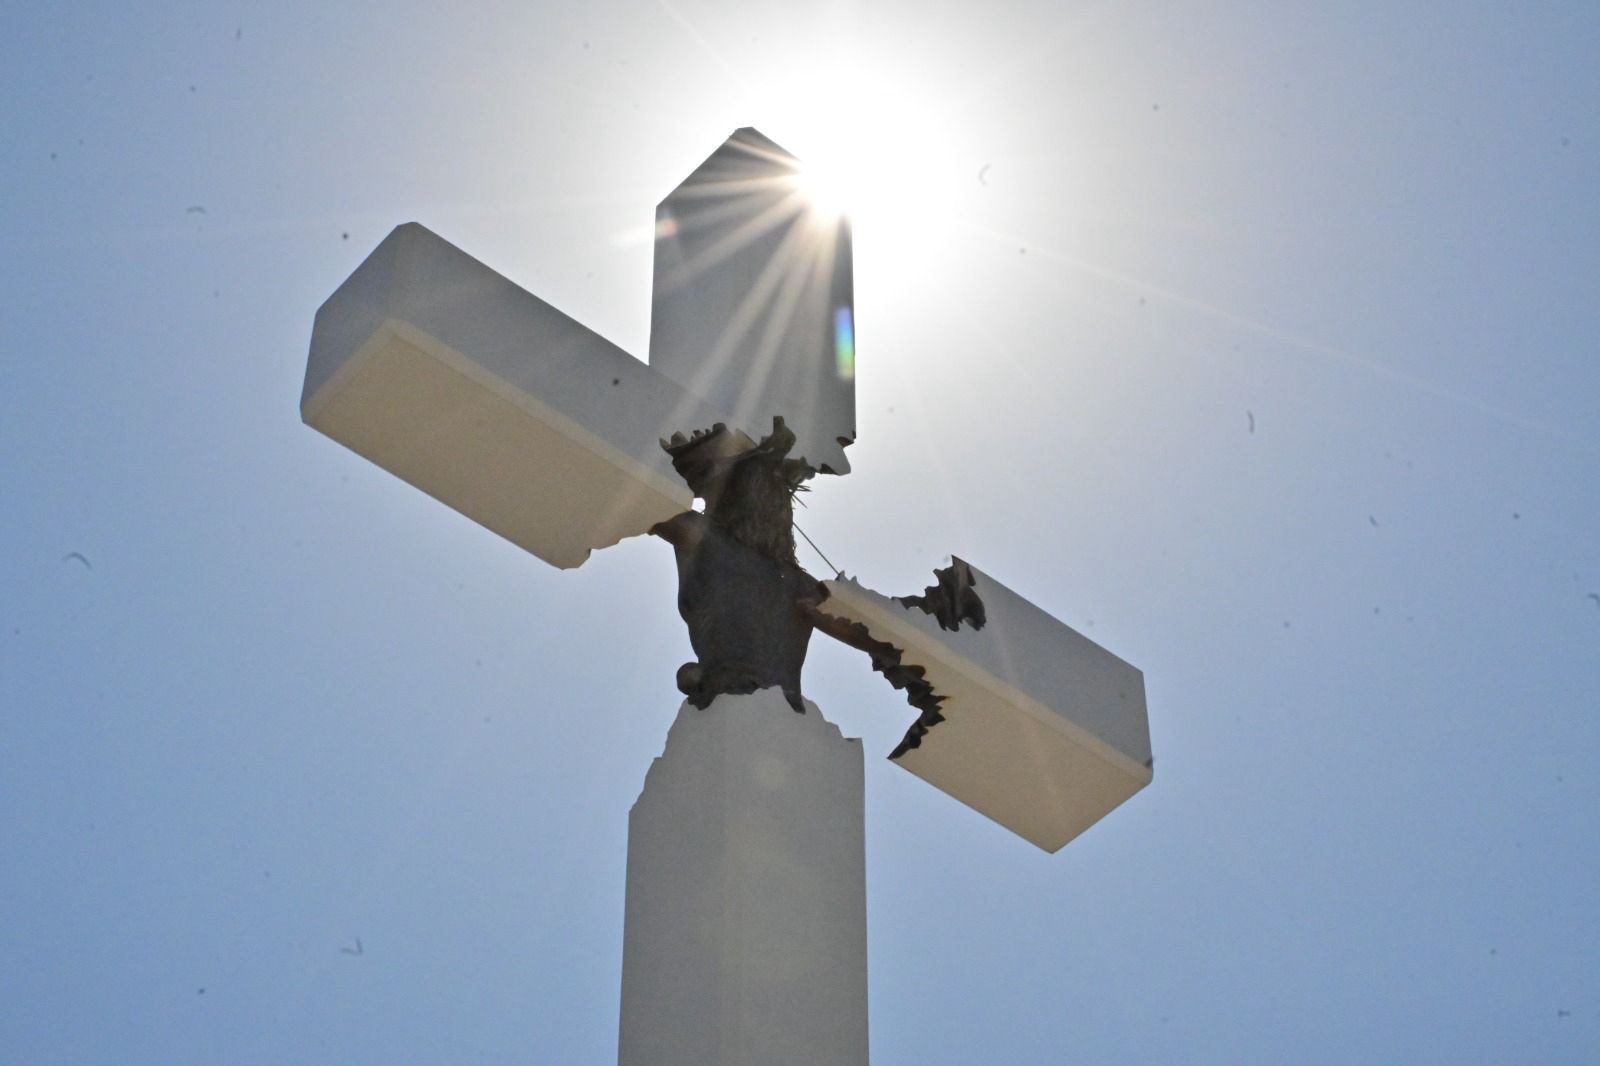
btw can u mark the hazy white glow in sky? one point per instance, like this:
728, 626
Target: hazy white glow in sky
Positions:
1255, 341
881, 150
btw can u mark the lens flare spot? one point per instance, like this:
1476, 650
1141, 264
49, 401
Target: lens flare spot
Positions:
844, 343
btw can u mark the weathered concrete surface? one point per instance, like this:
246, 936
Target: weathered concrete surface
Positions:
746, 934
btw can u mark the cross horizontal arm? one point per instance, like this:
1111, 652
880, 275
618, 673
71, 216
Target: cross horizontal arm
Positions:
474, 390
1025, 720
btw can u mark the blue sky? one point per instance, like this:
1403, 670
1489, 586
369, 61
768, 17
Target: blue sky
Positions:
1258, 344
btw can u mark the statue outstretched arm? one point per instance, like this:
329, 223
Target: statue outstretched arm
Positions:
952, 599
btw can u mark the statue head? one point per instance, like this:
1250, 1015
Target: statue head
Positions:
748, 487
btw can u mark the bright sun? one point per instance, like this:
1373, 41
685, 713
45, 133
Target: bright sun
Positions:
873, 151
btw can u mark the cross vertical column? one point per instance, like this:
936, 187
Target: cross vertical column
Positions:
745, 939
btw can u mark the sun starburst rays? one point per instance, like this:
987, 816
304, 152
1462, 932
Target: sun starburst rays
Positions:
762, 262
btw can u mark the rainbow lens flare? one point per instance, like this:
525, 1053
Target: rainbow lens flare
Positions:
844, 343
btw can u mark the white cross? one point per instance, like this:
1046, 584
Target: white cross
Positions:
443, 372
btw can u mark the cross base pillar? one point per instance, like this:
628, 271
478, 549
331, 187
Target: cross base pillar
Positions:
745, 935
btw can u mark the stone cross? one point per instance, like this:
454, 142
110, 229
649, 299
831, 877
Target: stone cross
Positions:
745, 927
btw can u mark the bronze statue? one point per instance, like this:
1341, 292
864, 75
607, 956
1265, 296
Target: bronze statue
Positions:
749, 605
